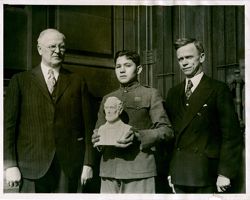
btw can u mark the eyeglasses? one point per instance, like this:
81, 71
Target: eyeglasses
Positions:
52, 48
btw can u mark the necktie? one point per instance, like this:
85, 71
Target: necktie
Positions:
51, 82
188, 90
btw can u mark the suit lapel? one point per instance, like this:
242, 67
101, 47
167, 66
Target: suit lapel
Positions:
62, 83
37, 77
178, 101
196, 101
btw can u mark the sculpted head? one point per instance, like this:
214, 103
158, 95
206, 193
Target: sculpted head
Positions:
113, 107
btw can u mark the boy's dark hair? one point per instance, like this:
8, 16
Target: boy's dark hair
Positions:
184, 41
132, 55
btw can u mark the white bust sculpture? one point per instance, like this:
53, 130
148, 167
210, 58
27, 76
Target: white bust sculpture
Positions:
114, 128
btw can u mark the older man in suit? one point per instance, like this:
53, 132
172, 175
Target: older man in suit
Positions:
208, 144
48, 128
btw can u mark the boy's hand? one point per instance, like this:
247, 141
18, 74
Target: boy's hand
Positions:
95, 137
126, 140
87, 173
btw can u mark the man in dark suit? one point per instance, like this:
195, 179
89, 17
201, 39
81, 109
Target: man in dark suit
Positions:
47, 124
208, 144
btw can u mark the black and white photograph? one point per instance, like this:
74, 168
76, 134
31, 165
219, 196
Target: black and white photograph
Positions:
124, 100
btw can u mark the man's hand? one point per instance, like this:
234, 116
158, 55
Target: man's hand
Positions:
87, 173
223, 183
13, 176
171, 184
95, 137
126, 140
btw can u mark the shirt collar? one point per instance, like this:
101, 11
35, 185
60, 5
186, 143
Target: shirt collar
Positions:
46, 68
195, 80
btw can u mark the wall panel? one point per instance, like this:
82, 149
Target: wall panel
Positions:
88, 28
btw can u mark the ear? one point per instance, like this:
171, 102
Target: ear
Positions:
139, 69
202, 57
39, 49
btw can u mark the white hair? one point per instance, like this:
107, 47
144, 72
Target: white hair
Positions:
47, 31
115, 101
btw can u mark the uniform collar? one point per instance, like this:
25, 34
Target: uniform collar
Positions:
130, 86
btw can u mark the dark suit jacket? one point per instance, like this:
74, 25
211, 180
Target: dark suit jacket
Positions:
37, 125
208, 138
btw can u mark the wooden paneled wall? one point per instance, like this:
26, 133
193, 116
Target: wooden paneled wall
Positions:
220, 28
95, 33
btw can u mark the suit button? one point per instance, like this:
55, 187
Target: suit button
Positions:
187, 104
178, 149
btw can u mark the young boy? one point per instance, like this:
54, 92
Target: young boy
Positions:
129, 167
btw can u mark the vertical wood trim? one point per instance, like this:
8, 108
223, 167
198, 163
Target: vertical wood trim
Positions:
218, 41
138, 34
118, 28
230, 34
207, 40
182, 31
146, 44
123, 28
138, 30
29, 37
152, 67
240, 32
57, 18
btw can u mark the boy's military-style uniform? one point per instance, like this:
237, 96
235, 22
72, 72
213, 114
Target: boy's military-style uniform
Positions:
143, 110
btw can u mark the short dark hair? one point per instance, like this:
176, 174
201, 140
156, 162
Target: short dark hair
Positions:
132, 55
184, 41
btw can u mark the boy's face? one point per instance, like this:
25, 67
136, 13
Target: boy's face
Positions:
126, 70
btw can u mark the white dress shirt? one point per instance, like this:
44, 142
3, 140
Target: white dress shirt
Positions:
195, 80
45, 70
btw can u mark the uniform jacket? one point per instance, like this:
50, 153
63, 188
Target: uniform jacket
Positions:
208, 137
37, 125
143, 110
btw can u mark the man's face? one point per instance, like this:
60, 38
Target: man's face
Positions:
190, 60
111, 111
126, 70
52, 49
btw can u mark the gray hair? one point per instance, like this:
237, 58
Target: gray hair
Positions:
46, 31
115, 101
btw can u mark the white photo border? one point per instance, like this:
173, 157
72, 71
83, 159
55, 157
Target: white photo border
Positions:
83, 196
